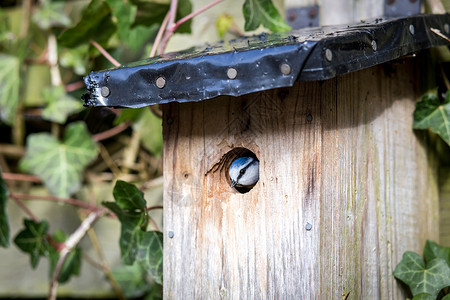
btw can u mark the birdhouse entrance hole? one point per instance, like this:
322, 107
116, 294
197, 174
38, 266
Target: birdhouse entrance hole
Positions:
229, 158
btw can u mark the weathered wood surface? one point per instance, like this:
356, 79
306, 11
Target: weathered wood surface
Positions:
340, 155
444, 206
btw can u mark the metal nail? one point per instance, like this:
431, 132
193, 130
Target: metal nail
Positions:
374, 45
411, 28
105, 91
309, 118
171, 234
160, 82
328, 55
169, 120
308, 226
232, 73
285, 68
446, 28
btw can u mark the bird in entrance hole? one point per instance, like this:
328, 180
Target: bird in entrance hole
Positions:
244, 172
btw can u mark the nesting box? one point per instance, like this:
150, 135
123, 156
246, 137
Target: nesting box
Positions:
345, 184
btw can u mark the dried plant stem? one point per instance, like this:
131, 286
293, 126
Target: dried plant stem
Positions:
105, 53
21, 177
160, 34
71, 201
111, 132
24, 207
69, 245
74, 86
55, 74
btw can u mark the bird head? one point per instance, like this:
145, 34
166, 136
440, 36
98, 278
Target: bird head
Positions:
244, 172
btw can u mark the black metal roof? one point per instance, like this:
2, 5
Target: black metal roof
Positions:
262, 62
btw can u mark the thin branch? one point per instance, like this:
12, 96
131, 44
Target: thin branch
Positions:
154, 207
105, 53
21, 177
438, 32
111, 132
69, 245
156, 111
160, 34
74, 86
173, 13
195, 13
52, 53
24, 207
71, 201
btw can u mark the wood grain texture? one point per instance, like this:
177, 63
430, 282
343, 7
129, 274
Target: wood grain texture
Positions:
339, 154
444, 205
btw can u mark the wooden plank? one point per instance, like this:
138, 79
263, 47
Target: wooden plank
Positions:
339, 155
444, 206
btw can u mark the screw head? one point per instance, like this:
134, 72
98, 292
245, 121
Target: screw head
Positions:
160, 82
328, 55
446, 28
411, 29
232, 73
374, 45
285, 69
308, 226
171, 234
105, 91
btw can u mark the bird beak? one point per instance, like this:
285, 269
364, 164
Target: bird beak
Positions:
233, 183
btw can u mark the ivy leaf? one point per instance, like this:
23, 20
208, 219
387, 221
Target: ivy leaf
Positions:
32, 240
150, 254
71, 265
151, 12
431, 113
132, 280
9, 87
59, 104
257, 12
130, 208
76, 58
433, 250
4, 223
421, 278
223, 24
51, 14
95, 24
423, 296
60, 165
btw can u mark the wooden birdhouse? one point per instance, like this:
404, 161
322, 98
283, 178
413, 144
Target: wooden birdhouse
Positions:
345, 185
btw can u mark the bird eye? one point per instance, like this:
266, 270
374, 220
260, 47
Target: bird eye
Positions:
242, 171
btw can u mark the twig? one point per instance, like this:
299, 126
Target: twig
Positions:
70, 201
52, 53
24, 207
21, 177
157, 112
69, 245
155, 226
160, 34
103, 265
172, 27
105, 53
154, 207
438, 32
108, 160
111, 132
151, 183
74, 86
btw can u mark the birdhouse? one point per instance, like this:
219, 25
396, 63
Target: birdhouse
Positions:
344, 185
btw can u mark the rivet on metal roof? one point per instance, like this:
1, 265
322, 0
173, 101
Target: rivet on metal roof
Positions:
374, 45
160, 82
285, 68
446, 28
328, 55
411, 28
105, 91
232, 73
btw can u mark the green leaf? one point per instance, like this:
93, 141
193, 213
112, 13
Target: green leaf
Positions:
33, 240
421, 278
4, 223
76, 58
60, 165
433, 250
51, 14
431, 113
71, 265
150, 12
129, 114
129, 197
446, 297
95, 24
9, 87
150, 129
423, 296
59, 104
132, 280
257, 12
223, 24
150, 254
